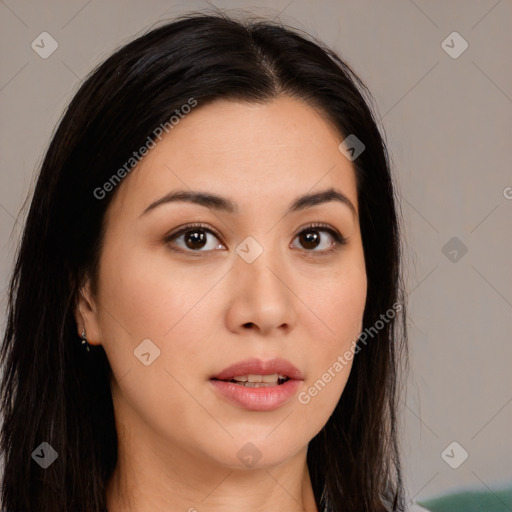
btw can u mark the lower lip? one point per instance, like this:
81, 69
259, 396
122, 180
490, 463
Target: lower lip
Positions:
264, 398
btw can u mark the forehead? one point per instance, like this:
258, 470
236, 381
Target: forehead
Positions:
251, 152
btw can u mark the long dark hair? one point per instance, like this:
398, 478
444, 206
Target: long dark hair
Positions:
55, 392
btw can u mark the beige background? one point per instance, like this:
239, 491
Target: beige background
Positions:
448, 123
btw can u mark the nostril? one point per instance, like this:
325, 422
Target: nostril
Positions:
249, 324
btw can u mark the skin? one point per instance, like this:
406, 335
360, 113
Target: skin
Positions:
178, 439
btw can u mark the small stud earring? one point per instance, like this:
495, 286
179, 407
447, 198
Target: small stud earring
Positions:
84, 341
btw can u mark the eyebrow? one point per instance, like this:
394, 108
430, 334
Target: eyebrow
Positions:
227, 205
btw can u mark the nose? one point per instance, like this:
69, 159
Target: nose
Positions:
262, 297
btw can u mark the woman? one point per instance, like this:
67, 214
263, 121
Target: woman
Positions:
206, 311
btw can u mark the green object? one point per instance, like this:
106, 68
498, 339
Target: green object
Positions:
471, 501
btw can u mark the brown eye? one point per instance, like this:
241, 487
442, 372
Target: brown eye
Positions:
194, 239
313, 237
310, 239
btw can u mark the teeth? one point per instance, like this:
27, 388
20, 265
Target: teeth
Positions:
256, 381
259, 378
257, 384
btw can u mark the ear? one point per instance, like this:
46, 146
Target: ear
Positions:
86, 314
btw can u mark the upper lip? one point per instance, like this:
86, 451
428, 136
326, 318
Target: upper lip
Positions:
255, 366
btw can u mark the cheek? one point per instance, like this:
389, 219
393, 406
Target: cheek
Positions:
338, 304
144, 296
147, 295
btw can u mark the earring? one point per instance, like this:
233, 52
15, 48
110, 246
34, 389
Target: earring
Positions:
84, 341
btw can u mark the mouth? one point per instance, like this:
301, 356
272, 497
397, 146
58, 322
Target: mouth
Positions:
256, 385
274, 372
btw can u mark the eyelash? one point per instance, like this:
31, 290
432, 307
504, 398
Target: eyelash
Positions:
339, 240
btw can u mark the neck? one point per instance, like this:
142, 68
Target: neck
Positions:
150, 482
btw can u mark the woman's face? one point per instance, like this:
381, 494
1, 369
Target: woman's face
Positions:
253, 283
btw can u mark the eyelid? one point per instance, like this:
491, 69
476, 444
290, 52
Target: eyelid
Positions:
187, 227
